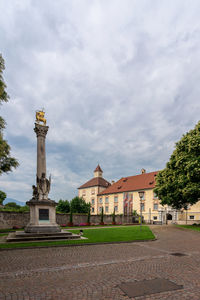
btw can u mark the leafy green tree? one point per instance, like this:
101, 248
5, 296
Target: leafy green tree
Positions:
12, 205
6, 161
178, 185
63, 206
2, 197
78, 205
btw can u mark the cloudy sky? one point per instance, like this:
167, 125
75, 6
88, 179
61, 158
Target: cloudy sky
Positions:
119, 81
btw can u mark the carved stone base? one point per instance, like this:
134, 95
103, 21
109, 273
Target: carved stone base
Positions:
42, 217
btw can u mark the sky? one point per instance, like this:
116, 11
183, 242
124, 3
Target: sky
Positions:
119, 81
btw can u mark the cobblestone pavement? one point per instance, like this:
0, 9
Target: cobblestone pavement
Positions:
94, 272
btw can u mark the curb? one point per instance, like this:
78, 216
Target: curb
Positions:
75, 245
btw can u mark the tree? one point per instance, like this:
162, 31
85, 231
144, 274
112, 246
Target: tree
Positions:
63, 206
2, 197
113, 217
6, 161
12, 205
78, 205
70, 218
178, 185
102, 215
88, 216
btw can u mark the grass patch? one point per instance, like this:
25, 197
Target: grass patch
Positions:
101, 235
3, 234
193, 227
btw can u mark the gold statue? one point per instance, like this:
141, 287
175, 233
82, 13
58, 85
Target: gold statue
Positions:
40, 117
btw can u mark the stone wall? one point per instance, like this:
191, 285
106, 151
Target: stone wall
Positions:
10, 219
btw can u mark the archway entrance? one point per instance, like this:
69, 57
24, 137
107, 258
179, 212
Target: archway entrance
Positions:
169, 217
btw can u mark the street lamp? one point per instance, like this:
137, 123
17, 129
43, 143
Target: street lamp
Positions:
141, 195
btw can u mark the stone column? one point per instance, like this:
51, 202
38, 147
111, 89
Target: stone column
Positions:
42, 209
41, 132
160, 215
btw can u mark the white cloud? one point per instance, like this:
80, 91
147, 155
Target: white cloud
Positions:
119, 81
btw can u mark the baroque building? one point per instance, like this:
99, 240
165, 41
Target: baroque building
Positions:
123, 198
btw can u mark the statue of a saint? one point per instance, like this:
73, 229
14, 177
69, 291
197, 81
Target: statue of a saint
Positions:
35, 192
44, 185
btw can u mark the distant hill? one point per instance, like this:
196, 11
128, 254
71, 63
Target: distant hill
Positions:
7, 200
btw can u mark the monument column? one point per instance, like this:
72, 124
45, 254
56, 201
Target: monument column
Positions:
42, 209
41, 132
42, 224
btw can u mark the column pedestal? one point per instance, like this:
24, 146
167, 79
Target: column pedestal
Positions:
42, 217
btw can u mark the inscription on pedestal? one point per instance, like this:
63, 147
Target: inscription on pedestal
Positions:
43, 214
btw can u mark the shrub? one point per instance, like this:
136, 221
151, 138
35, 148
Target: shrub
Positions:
88, 217
16, 227
102, 215
113, 218
71, 218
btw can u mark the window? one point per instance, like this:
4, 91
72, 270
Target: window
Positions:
83, 193
100, 200
92, 201
155, 196
143, 197
142, 206
155, 206
106, 208
155, 218
92, 209
116, 199
191, 217
100, 208
92, 191
116, 208
106, 200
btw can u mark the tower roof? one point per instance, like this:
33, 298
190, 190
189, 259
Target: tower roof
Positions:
97, 181
98, 169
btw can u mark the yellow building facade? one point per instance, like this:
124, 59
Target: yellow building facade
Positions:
123, 198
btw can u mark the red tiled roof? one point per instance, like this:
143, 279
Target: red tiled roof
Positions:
96, 181
98, 169
132, 183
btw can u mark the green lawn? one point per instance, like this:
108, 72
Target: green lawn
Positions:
101, 235
193, 227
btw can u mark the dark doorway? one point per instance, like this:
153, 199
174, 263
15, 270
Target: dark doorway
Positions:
169, 217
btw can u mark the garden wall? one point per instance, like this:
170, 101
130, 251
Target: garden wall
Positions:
21, 219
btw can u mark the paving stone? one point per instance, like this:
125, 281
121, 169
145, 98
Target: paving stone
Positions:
95, 272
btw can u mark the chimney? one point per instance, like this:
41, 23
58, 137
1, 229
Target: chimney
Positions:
112, 181
143, 171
